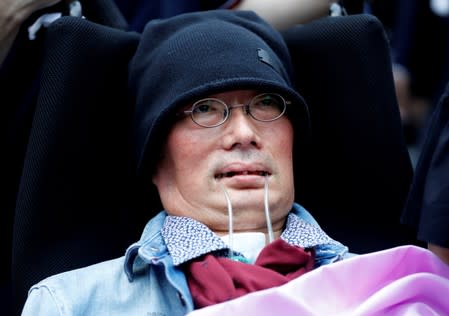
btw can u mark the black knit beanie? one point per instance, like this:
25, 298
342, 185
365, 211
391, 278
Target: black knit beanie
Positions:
193, 55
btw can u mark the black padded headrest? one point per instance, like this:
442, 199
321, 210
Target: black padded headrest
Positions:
356, 172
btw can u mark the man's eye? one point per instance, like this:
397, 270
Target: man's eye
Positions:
267, 101
203, 108
207, 107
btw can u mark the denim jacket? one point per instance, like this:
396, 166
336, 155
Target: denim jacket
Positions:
143, 282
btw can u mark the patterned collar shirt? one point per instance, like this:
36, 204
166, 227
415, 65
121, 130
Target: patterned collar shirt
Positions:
187, 239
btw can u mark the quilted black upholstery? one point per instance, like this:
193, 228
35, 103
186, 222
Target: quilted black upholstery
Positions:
356, 171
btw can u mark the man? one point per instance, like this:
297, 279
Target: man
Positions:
216, 123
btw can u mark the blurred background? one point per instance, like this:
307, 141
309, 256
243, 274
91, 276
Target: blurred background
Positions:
418, 31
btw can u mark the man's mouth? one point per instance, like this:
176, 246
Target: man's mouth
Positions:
230, 174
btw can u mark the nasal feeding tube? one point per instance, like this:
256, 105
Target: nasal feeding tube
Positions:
230, 217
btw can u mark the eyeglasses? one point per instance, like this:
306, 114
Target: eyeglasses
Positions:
211, 112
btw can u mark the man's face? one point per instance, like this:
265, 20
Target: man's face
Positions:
198, 163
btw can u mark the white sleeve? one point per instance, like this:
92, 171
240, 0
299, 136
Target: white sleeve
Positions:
41, 301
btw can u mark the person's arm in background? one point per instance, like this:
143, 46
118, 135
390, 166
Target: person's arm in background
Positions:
403, 35
12, 14
441, 252
287, 13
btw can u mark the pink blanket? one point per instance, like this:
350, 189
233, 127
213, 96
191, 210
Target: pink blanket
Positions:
405, 280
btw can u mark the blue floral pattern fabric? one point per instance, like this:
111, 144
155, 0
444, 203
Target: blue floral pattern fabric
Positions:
187, 239
303, 234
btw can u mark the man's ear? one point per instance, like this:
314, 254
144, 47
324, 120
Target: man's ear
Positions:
155, 179
156, 173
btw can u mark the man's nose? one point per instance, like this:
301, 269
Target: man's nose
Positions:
240, 130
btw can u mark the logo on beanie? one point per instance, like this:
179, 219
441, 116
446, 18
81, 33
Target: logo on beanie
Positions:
265, 58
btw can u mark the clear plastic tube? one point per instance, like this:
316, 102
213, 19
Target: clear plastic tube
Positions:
231, 219
267, 212
230, 222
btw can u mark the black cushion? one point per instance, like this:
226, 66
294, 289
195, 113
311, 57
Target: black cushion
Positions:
73, 199
356, 171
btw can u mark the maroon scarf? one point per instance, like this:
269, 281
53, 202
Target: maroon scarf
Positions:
214, 280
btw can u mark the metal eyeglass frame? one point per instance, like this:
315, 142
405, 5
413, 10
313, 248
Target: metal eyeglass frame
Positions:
227, 109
